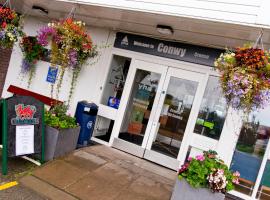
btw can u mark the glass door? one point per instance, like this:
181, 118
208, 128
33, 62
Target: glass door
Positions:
141, 97
173, 118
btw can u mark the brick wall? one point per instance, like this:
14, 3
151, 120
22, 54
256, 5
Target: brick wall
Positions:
4, 62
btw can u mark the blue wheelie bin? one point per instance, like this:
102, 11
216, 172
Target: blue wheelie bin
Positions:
86, 114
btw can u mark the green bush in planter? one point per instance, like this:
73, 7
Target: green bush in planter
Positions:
208, 171
57, 118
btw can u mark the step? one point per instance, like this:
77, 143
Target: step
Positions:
45, 189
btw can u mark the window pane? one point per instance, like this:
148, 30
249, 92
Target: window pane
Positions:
213, 110
174, 116
115, 83
140, 106
103, 128
264, 189
250, 149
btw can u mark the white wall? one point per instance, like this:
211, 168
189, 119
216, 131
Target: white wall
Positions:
236, 11
88, 83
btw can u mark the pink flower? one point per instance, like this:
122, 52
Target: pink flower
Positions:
237, 174
235, 181
189, 159
221, 171
200, 157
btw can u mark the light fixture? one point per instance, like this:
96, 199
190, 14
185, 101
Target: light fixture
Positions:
164, 30
40, 9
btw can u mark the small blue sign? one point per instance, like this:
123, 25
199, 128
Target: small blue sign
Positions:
52, 74
113, 102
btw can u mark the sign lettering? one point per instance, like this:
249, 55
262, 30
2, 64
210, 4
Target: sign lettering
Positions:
173, 50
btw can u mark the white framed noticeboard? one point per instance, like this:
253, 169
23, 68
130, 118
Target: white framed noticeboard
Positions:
24, 140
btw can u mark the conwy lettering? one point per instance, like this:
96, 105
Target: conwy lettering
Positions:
171, 50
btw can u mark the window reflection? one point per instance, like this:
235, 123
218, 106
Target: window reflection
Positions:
264, 189
139, 107
174, 116
250, 149
213, 110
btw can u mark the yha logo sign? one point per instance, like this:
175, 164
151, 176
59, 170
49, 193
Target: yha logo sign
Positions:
24, 115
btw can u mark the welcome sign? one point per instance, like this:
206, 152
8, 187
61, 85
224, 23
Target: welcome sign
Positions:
173, 50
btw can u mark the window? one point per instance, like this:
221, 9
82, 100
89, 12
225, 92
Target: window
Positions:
115, 83
250, 152
213, 110
264, 189
103, 128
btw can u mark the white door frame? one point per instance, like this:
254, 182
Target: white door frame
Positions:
154, 156
122, 144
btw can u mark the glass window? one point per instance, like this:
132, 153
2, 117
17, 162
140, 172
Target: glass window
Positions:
103, 128
115, 83
139, 107
174, 116
264, 189
250, 150
213, 110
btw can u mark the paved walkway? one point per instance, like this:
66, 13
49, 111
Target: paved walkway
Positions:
101, 173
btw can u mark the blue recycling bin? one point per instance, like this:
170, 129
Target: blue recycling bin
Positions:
86, 114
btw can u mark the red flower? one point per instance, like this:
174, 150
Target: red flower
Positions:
4, 25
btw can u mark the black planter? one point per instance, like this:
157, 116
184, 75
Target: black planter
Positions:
60, 142
183, 191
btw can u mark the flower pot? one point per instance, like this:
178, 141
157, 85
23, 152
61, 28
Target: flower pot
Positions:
183, 191
60, 142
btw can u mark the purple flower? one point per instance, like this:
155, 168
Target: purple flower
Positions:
25, 66
2, 35
44, 33
235, 102
73, 61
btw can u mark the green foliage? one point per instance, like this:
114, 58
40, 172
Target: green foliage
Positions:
57, 118
197, 170
245, 148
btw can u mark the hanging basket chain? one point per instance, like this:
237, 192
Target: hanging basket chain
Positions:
259, 41
72, 12
7, 3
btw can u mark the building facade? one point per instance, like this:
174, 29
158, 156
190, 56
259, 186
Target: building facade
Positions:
158, 94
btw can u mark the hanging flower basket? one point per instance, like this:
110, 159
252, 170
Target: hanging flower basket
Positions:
32, 52
71, 46
245, 78
10, 28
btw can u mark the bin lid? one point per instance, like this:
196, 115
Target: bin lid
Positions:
90, 105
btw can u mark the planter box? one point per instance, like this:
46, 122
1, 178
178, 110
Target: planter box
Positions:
183, 191
60, 142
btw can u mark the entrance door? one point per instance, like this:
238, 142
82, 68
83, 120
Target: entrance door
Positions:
176, 113
138, 106
155, 115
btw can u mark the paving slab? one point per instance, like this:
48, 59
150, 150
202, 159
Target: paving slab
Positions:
115, 174
149, 187
45, 189
60, 173
117, 156
81, 163
132, 195
92, 187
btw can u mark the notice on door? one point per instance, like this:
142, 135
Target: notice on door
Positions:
24, 140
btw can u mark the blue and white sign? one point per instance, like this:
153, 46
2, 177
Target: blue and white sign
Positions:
52, 74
